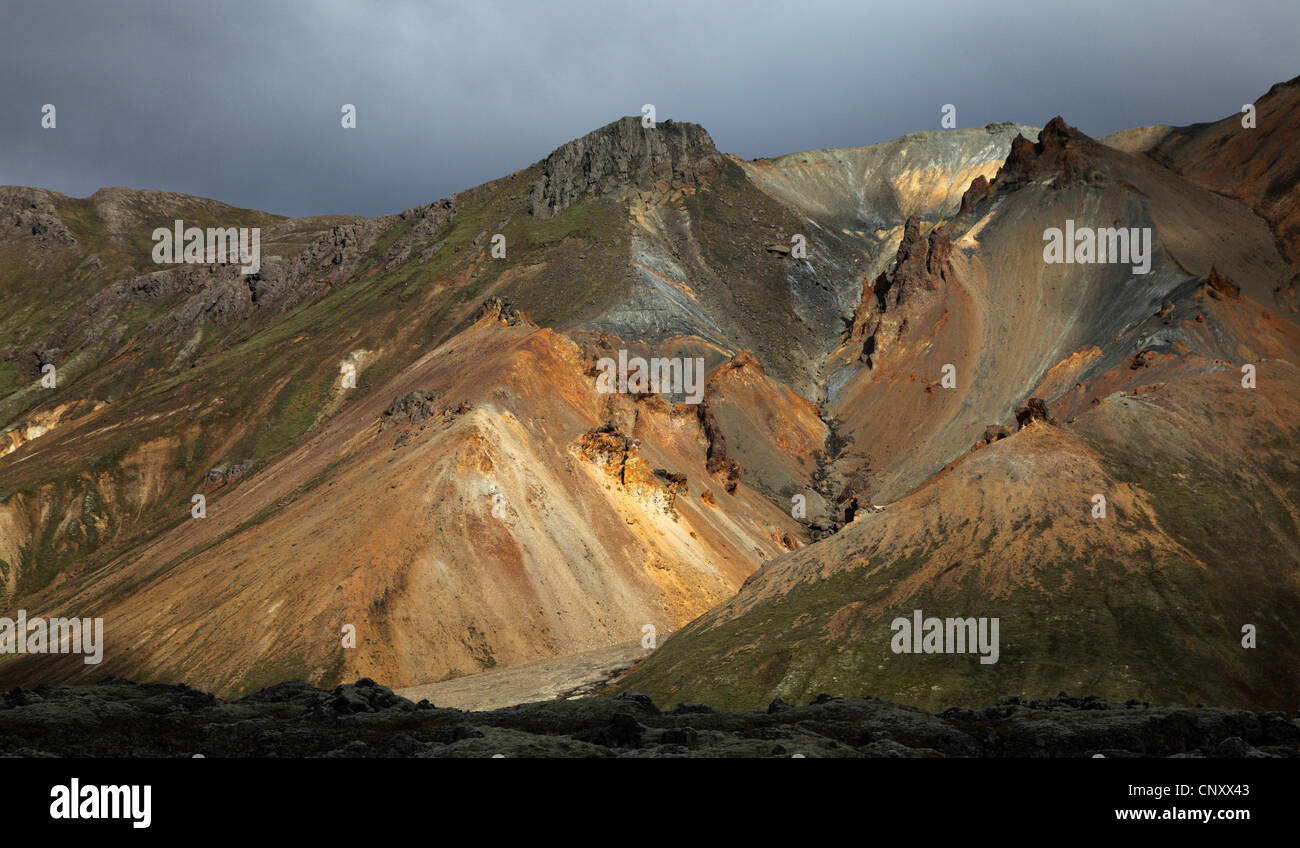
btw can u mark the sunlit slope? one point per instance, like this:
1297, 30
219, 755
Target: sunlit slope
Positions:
877, 187
481, 523
177, 380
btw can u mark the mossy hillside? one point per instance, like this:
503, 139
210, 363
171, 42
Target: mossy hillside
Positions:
379, 301
1163, 629
733, 222
1233, 521
126, 424
68, 540
586, 250
52, 309
95, 460
35, 297
9, 381
298, 409
135, 249
1117, 632
241, 367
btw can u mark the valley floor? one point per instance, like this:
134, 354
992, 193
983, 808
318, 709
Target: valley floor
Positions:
584, 673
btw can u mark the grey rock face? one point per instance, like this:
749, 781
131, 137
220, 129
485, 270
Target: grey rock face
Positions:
620, 156
32, 210
414, 407
429, 220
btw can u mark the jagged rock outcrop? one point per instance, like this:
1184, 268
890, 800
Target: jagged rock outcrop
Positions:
224, 475
342, 245
417, 407
1141, 359
992, 433
1057, 154
995, 432
853, 498
921, 265
412, 407
1034, 410
743, 359
719, 463
618, 455
621, 156
980, 188
37, 356
32, 211
921, 262
327, 261
1219, 284
429, 221
607, 447
220, 294
672, 481
430, 217
497, 309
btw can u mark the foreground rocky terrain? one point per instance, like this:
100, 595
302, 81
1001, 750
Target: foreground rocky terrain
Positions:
118, 718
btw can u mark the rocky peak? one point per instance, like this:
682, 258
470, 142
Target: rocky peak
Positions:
922, 262
1219, 283
979, 189
32, 211
497, 309
620, 156
1033, 410
1057, 153
922, 265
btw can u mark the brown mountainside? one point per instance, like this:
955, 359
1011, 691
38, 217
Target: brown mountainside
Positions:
474, 500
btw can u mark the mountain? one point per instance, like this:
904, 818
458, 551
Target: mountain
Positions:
399, 430
1092, 380
1259, 165
377, 506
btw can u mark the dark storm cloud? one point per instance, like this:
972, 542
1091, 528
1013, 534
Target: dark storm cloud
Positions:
241, 101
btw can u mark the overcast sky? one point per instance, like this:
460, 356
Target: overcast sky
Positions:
241, 101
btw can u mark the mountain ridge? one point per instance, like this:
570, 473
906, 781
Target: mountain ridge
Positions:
330, 505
